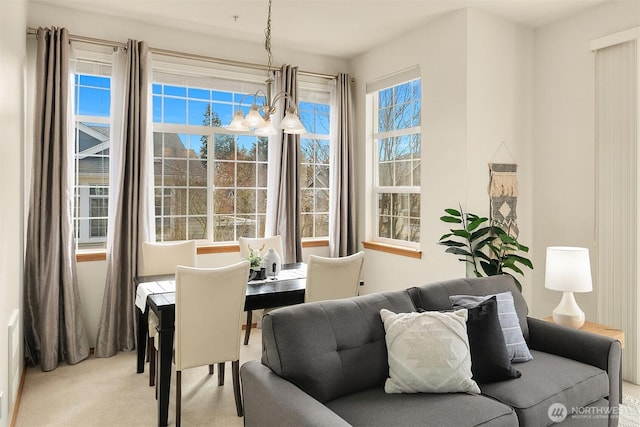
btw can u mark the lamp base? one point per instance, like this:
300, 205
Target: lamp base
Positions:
567, 313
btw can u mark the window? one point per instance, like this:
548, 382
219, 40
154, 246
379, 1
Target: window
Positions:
396, 142
211, 184
92, 102
315, 147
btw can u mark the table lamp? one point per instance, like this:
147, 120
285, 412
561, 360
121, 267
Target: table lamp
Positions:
568, 270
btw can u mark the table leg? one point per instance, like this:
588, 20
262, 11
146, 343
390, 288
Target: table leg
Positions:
247, 330
165, 349
143, 331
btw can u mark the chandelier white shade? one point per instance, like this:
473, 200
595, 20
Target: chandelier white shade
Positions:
568, 270
258, 118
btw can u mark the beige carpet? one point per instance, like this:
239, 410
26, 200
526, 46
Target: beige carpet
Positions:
108, 392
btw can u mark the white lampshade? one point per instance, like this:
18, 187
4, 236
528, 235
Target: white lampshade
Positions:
238, 123
568, 269
254, 120
291, 123
267, 129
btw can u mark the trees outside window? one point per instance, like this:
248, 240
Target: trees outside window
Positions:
397, 148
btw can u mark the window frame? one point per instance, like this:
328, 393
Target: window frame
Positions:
374, 136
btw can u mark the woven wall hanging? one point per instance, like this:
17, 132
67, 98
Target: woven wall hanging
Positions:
503, 195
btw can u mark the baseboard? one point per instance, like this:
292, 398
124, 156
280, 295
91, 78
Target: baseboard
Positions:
16, 405
253, 325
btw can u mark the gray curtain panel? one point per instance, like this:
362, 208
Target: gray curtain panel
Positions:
128, 205
54, 329
342, 229
287, 215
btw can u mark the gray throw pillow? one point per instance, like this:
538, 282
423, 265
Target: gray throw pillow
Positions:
516, 345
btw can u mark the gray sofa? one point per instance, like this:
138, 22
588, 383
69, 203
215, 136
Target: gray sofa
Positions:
325, 364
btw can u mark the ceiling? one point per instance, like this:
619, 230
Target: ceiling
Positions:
340, 28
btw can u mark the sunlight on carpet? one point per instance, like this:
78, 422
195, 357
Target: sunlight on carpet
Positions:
629, 412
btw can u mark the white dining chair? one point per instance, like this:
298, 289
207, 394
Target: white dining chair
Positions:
162, 258
333, 278
260, 244
209, 305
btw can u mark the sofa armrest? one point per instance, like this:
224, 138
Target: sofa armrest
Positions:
595, 350
270, 400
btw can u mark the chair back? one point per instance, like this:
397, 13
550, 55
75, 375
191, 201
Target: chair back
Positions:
274, 242
333, 278
163, 257
209, 304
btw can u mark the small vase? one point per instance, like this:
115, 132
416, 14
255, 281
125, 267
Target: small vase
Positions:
272, 263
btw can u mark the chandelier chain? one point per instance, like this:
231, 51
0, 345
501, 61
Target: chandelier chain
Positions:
267, 39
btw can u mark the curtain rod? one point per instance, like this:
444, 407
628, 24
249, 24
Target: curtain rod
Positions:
184, 55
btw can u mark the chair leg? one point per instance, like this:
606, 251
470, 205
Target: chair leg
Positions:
152, 364
235, 370
210, 369
221, 373
247, 327
149, 345
178, 397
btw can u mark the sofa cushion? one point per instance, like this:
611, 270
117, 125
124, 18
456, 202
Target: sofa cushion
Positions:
435, 296
490, 359
516, 345
549, 379
428, 352
376, 408
331, 348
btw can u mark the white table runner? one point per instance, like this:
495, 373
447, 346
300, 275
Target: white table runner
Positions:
289, 274
147, 288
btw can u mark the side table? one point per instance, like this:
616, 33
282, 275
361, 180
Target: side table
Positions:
596, 328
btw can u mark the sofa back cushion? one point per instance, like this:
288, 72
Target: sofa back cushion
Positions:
331, 348
435, 296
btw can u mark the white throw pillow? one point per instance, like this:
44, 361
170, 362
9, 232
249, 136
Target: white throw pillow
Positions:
428, 352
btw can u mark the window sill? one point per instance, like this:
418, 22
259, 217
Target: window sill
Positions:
392, 249
201, 250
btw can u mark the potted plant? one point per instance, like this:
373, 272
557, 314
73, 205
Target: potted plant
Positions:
258, 272
488, 249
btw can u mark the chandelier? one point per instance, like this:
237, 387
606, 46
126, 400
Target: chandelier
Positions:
258, 120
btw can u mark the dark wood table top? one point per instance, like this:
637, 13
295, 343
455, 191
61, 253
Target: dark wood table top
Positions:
267, 294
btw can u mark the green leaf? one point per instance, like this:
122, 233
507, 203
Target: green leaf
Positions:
482, 255
458, 251
481, 244
461, 233
445, 236
489, 268
475, 223
453, 212
521, 259
513, 267
450, 219
480, 232
452, 243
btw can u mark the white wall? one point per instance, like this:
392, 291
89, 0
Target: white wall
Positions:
439, 49
564, 155
499, 124
13, 17
121, 29
476, 93
91, 275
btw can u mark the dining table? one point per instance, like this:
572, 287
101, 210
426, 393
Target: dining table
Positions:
157, 293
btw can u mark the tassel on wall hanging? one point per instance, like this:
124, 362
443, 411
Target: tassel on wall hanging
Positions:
503, 195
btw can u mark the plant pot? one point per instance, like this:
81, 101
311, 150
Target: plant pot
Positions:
258, 274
